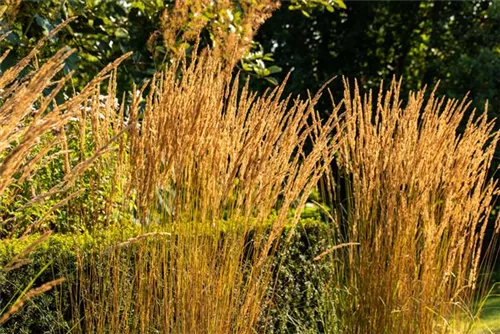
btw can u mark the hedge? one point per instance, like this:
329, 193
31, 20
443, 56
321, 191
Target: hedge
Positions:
293, 307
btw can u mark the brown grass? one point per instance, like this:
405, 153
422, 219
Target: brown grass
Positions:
28, 133
26, 137
209, 163
418, 204
211, 171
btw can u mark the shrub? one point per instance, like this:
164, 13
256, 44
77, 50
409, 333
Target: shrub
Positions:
291, 300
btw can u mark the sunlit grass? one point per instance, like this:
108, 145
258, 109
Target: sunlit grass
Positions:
489, 314
212, 173
418, 205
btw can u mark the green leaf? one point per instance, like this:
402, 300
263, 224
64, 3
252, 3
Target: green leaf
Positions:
160, 49
44, 23
246, 67
139, 5
13, 38
274, 69
341, 4
70, 63
122, 33
306, 14
272, 80
268, 57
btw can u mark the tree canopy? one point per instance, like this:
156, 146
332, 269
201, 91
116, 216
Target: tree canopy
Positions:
456, 43
422, 42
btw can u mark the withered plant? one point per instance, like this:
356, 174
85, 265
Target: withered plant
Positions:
418, 202
213, 171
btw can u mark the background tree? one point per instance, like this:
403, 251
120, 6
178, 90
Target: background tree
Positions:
153, 30
423, 42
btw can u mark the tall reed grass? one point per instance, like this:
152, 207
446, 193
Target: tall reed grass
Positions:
32, 128
208, 168
210, 172
20, 132
418, 202
39, 166
213, 170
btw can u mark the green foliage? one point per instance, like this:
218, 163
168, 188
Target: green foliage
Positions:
17, 212
453, 42
82, 212
307, 6
293, 307
104, 30
255, 62
54, 258
51, 260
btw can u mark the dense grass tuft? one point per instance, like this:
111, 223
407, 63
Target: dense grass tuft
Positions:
418, 202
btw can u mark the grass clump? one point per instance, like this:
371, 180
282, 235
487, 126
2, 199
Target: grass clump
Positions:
196, 160
182, 195
208, 162
418, 201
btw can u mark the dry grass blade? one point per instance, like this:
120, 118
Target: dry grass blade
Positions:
419, 198
4, 55
142, 237
27, 129
29, 295
15, 110
331, 249
4, 35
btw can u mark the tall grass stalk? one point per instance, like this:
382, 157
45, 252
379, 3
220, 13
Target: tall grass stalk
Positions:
418, 202
214, 170
34, 140
209, 169
30, 118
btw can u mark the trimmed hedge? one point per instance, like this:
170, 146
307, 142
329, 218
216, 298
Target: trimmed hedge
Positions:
292, 308
49, 312
46, 312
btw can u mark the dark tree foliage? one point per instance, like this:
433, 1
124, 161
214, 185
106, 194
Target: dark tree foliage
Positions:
454, 42
103, 31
